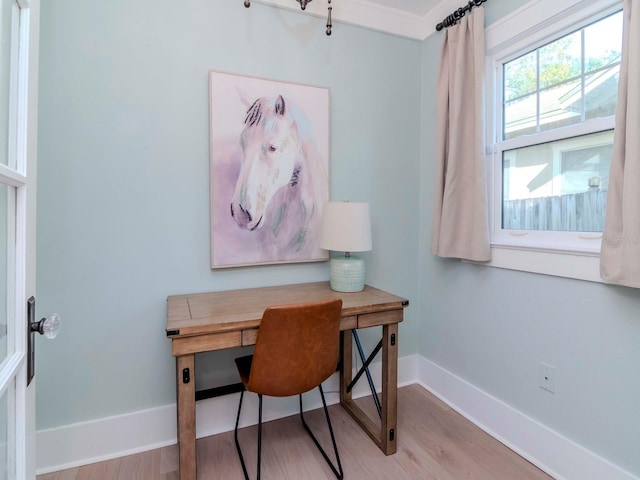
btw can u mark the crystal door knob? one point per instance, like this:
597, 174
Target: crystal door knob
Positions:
49, 326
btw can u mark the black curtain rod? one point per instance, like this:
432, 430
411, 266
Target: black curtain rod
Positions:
458, 14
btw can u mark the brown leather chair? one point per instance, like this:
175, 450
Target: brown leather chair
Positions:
296, 350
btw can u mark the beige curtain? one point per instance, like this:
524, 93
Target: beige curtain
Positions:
460, 218
620, 253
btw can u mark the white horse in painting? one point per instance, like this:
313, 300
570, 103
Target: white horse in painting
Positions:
282, 183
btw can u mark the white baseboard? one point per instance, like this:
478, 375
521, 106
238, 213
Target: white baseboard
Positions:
96, 440
88, 442
555, 454
106, 438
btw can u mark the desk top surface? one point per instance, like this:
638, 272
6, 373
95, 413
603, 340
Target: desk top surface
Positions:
203, 313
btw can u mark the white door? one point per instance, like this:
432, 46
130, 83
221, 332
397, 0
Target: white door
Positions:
19, 24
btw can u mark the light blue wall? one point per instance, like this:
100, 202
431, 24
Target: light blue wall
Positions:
493, 327
123, 216
123, 199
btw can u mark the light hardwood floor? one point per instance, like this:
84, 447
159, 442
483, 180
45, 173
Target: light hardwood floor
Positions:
434, 442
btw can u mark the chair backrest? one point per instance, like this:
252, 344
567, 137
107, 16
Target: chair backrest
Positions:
296, 349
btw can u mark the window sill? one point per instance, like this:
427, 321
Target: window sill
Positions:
582, 265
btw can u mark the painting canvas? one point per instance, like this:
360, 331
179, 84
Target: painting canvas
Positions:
269, 170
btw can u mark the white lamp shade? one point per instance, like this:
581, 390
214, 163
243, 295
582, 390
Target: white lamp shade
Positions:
346, 227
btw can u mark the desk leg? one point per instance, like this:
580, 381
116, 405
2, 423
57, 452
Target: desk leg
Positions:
385, 433
346, 365
186, 400
389, 388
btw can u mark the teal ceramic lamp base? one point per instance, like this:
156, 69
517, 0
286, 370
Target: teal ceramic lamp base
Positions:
347, 274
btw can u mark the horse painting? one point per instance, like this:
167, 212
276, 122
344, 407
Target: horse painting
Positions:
282, 183
269, 170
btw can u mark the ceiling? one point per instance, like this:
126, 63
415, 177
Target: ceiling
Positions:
415, 7
407, 18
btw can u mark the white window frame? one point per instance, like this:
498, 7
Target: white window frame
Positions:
565, 254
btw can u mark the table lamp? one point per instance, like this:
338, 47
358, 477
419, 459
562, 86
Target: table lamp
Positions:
346, 227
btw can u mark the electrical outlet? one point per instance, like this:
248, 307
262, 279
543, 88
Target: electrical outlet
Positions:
547, 377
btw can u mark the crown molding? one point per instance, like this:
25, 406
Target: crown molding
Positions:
374, 16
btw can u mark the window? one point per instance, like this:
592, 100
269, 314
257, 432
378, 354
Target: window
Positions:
550, 131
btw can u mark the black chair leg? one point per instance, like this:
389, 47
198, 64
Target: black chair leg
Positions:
336, 471
259, 434
235, 436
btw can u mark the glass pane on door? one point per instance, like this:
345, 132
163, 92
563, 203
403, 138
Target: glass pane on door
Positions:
8, 80
6, 259
6, 432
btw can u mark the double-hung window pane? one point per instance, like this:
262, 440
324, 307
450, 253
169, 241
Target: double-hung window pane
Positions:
557, 186
555, 152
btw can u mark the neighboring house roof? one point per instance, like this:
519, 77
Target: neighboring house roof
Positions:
561, 103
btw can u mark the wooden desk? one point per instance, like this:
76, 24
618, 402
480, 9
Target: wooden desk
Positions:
213, 321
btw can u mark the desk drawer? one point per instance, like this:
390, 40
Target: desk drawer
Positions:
379, 318
349, 323
249, 336
205, 343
